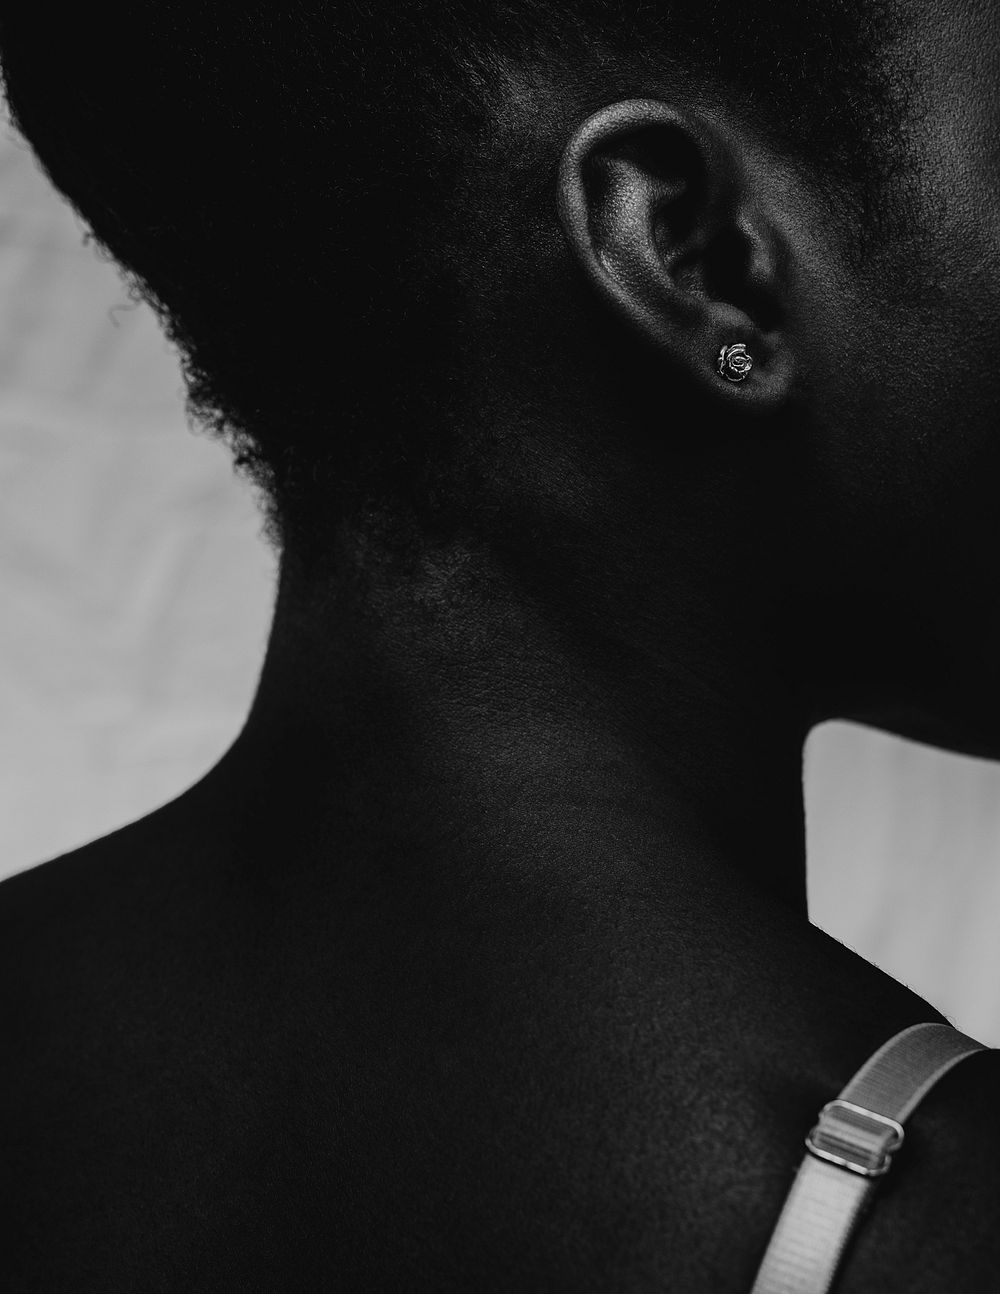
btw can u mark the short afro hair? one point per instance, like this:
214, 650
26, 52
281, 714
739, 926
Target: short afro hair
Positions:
289, 184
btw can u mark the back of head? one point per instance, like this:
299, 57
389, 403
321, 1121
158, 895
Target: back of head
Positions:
312, 196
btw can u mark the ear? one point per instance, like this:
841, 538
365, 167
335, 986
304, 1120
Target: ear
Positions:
657, 207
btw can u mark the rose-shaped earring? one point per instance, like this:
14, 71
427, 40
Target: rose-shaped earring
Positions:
734, 362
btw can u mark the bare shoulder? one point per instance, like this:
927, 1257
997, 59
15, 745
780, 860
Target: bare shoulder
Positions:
63, 925
77, 930
208, 1093
84, 956
124, 1008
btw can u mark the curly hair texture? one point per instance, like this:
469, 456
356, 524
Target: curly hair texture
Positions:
302, 192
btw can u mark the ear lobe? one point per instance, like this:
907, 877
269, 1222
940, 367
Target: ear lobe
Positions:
656, 207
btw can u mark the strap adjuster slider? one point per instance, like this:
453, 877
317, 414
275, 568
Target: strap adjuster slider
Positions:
844, 1136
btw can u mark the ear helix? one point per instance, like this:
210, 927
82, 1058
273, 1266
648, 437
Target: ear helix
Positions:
734, 362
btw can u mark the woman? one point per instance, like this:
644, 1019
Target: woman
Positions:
621, 386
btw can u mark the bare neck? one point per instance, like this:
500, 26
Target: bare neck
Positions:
470, 722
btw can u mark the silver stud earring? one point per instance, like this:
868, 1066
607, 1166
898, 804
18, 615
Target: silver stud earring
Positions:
734, 362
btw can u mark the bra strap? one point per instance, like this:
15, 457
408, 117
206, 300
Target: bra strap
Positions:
849, 1149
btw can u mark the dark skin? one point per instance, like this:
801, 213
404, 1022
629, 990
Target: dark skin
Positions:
481, 961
